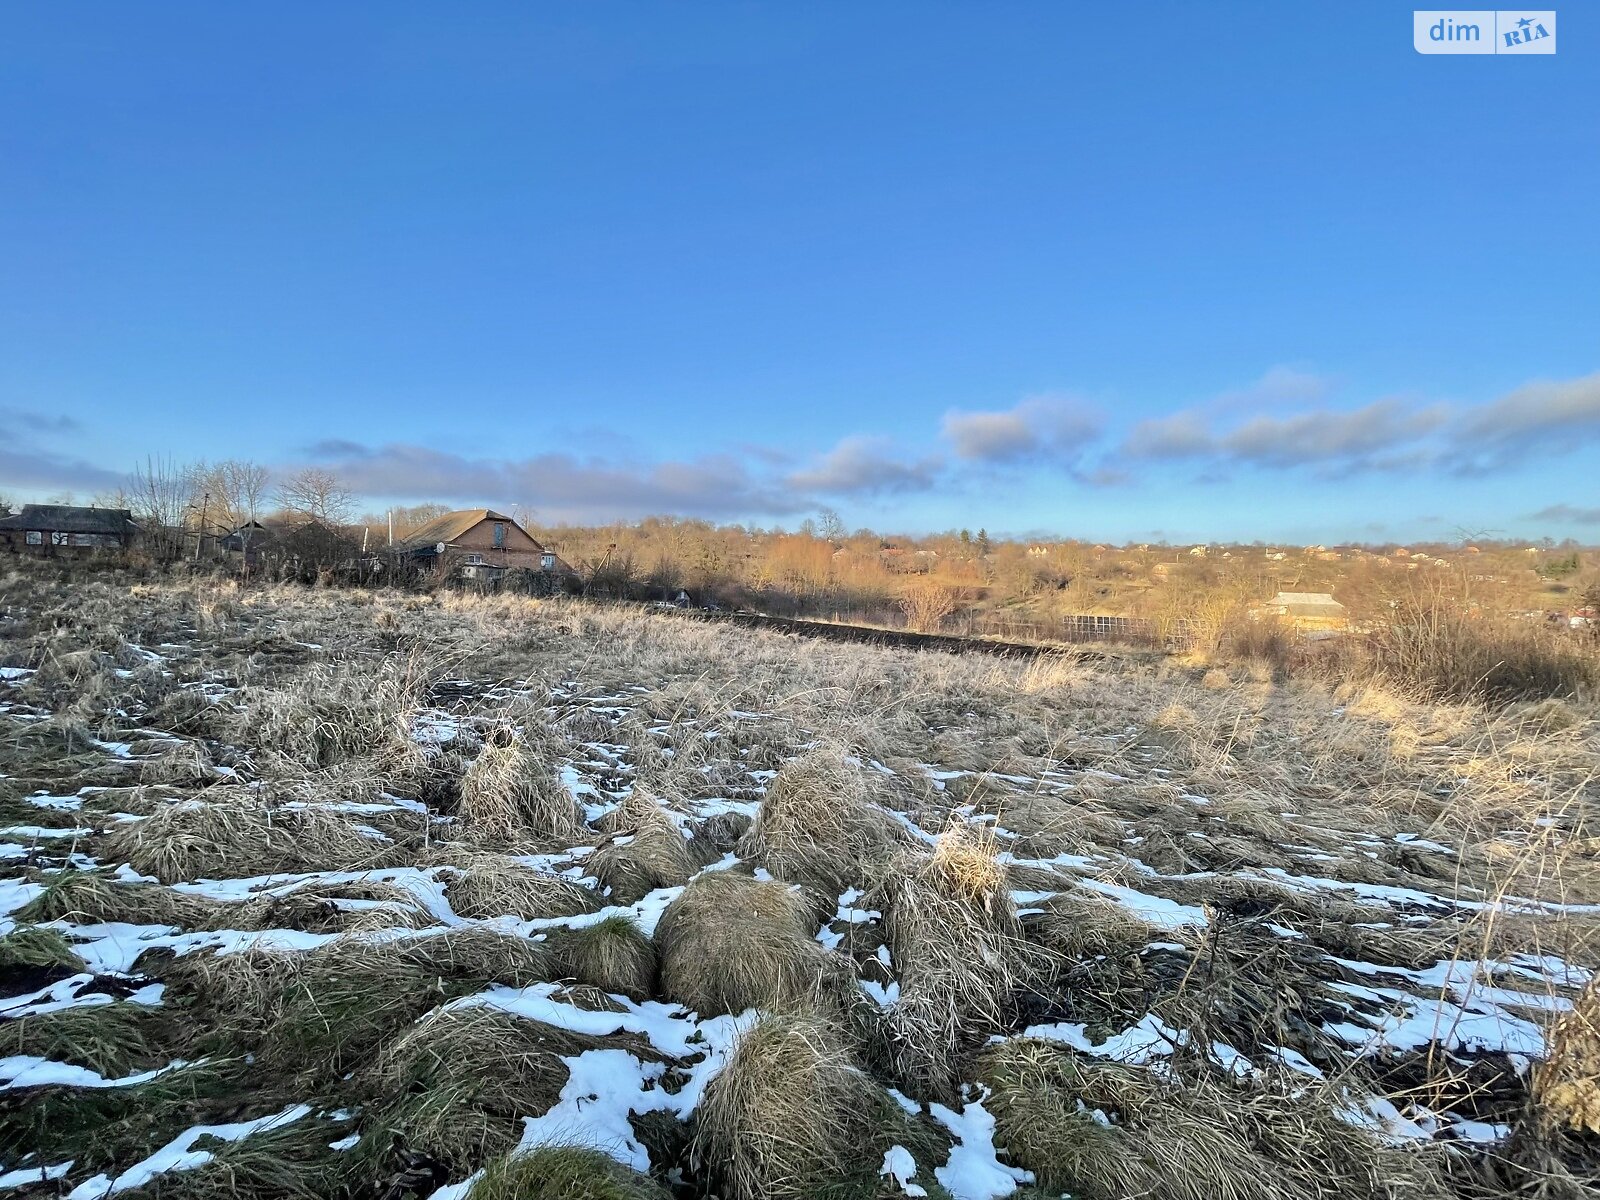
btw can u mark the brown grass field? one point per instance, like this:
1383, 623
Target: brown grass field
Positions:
332, 893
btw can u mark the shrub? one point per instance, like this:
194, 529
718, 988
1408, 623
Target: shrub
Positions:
1434, 651
926, 605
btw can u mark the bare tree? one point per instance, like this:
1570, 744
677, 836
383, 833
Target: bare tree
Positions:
159, 492
235, 490
315, 492
118, 497
407, 520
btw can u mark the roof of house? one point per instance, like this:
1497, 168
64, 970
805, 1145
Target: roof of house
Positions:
450, 526
69, 518
1306, 599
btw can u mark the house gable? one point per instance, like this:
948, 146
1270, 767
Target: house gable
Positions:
480, 540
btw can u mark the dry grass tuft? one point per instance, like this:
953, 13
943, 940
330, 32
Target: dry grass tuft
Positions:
28, 948
94, 898
492, 885
478, 953
330, 713
333, 908
290, 1162
1082, 924
508, 794
960, 954
648, 849
612, 954
112, 1039
730, 943
462, 1079
1106, 1131
231, 832
790, 1116
177, 763
564, 1173
817, 824
336, 1003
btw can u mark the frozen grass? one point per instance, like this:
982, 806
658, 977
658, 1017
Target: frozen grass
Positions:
600, 903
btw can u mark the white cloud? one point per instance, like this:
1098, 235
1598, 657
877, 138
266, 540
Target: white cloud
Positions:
1038, 428
863, 465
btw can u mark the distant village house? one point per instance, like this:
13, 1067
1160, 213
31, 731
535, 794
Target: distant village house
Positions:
479, 543
65, 529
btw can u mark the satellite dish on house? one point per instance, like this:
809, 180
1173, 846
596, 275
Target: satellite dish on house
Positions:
438, 547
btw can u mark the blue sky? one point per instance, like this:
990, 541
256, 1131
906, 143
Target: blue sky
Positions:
1192, 271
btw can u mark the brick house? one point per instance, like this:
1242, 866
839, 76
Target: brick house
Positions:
479, 543
66, 529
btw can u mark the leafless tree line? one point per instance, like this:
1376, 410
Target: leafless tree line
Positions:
230, 495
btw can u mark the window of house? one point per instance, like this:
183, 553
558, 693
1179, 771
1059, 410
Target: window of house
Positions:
499, 535
35, 537
58, 538
547, 562
474, 560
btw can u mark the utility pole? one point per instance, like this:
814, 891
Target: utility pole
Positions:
200, 533
600, 566
391, 528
